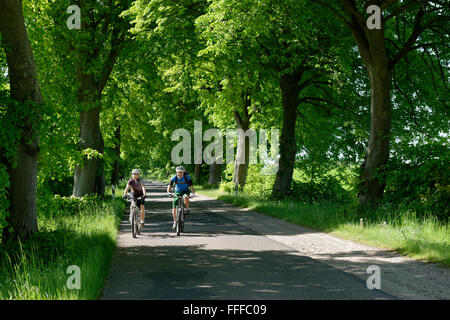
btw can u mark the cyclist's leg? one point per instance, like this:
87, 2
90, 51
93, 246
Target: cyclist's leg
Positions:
174, 210
132, 205
186, 201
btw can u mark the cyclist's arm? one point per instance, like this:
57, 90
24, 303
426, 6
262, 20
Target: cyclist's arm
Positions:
169, 187
126, 190
143, 188
191, 185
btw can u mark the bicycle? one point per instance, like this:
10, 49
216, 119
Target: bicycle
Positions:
136, 225
180, 213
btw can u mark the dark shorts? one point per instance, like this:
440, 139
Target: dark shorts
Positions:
138, 202
178, 196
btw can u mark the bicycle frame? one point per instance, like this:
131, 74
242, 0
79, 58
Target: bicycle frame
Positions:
136, 225
180, 214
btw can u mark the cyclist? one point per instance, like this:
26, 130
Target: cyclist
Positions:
137, 190
182, 183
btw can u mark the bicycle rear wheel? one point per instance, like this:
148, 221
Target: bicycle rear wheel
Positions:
134, 224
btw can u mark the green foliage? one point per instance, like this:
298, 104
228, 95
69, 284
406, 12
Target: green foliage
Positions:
52, 205
4, 203
198, 60
9, 118
422, 182
323, 189
36, 268
258, 184
45, 244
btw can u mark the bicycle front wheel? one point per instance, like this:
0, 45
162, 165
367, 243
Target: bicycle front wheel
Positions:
179, 222
134, 226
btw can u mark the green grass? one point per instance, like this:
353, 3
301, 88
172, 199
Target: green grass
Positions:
420, 238
37, 268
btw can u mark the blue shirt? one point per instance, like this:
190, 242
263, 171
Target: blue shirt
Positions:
181, 184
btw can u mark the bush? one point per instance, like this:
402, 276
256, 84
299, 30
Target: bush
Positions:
49, 205
421, 184
258, 184
325, 189
227, 186
62, 186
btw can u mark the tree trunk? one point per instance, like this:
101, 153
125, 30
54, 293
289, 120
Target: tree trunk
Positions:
22, 195
197, 172
240, 169
90, 137
243, 123
288, 145
24, 88
313, 173
215, 171
373, 174
116, 165
89, 177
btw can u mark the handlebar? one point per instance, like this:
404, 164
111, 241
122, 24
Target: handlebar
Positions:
171, 195
128, 197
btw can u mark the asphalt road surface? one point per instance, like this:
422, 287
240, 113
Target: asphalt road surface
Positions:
218, 258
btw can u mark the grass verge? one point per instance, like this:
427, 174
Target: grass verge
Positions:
422, 238
38, 268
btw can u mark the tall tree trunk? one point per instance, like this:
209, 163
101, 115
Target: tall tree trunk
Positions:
89, 177
116, 165
373, 174
197, 172
376, 59
215, 171
243, 123
90, 137
313, 175
288, 146
240, 169
24, 88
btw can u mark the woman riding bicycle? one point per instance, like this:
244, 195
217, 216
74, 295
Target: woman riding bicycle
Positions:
182, 183
137, 193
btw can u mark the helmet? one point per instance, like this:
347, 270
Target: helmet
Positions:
180, 168
136, 171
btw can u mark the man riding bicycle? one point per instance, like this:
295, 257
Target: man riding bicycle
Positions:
137, 191
182, 183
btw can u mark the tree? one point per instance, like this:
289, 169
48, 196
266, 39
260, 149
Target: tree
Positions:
381, 49
96, 49
24, 89
272, 41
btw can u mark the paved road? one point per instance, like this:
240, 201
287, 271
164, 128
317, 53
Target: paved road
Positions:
217, 258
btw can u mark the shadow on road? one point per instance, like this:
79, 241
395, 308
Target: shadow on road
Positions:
192, 272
